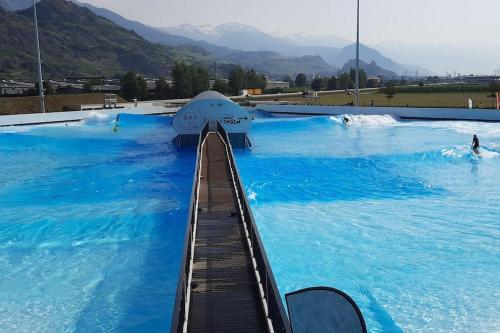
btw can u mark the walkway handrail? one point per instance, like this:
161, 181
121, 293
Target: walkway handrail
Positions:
183, 295
269, 293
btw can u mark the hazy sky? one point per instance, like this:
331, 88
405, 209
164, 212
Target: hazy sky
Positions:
441, 35
411, 21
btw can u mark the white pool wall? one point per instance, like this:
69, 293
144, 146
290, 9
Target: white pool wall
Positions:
70, 116
403, 113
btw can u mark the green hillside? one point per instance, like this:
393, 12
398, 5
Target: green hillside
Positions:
76, 42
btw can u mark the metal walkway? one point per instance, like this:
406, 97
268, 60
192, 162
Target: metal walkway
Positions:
225, 296
226, 284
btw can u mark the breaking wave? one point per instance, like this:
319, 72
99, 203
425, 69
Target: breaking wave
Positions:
94, 118
465, 151
366, 120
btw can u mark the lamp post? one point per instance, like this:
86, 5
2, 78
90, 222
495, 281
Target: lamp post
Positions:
357, 58
40, 79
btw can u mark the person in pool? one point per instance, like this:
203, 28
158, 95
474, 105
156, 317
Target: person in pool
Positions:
115, 128
475, 144
346, 121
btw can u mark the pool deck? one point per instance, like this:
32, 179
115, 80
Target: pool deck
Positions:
74, 116
225, 296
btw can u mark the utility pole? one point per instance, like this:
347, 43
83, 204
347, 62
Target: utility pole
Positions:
40, 79
357, 58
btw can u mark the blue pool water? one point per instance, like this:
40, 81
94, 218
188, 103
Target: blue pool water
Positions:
399, 215
91, 226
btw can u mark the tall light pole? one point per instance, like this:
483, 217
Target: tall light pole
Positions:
40, 79
357, 58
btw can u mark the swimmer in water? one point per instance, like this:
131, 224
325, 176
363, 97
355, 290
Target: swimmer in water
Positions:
475, 144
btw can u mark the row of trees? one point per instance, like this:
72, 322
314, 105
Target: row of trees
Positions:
341, 82
188, 81
240, 79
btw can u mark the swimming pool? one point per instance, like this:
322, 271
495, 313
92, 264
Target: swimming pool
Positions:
400, 215
92, 225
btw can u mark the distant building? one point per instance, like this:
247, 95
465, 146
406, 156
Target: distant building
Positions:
373, 82
64, 87
15, 88
212, 82
254, 91
250, 92
277, 84
81, 80
151, 85
480, 79
107, 88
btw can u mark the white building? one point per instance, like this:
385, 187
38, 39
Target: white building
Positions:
277, 84
15, 88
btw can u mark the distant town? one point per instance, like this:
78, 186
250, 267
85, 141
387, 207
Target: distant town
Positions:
80, 85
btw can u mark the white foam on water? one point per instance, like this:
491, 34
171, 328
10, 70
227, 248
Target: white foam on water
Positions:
99, 118
465, 151
252, 195
482, 129
366, 120
457, 152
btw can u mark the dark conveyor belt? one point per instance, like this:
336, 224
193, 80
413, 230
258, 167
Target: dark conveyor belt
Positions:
225, 294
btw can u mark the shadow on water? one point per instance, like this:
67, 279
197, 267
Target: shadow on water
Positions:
387, 324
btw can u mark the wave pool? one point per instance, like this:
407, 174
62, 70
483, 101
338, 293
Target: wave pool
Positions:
400, 215
92, 224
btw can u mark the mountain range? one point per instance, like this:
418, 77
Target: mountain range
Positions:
247, 38
371, 69
225, 44
12, 5
267, 61
76, 42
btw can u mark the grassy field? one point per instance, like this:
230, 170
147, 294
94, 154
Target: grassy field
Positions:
53, 103
438, 100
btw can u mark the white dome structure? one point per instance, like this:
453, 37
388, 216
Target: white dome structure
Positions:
212, 107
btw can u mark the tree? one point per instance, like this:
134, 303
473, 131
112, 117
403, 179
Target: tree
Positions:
345, 82
221, 86
363, 78
390, 91
254, 80
143, 88
162, 90
183, 80
47, 88
200, 80
331, 84
87, 87
237, 80
289, 79
129, 86
301, 80
316, 84
189, 80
